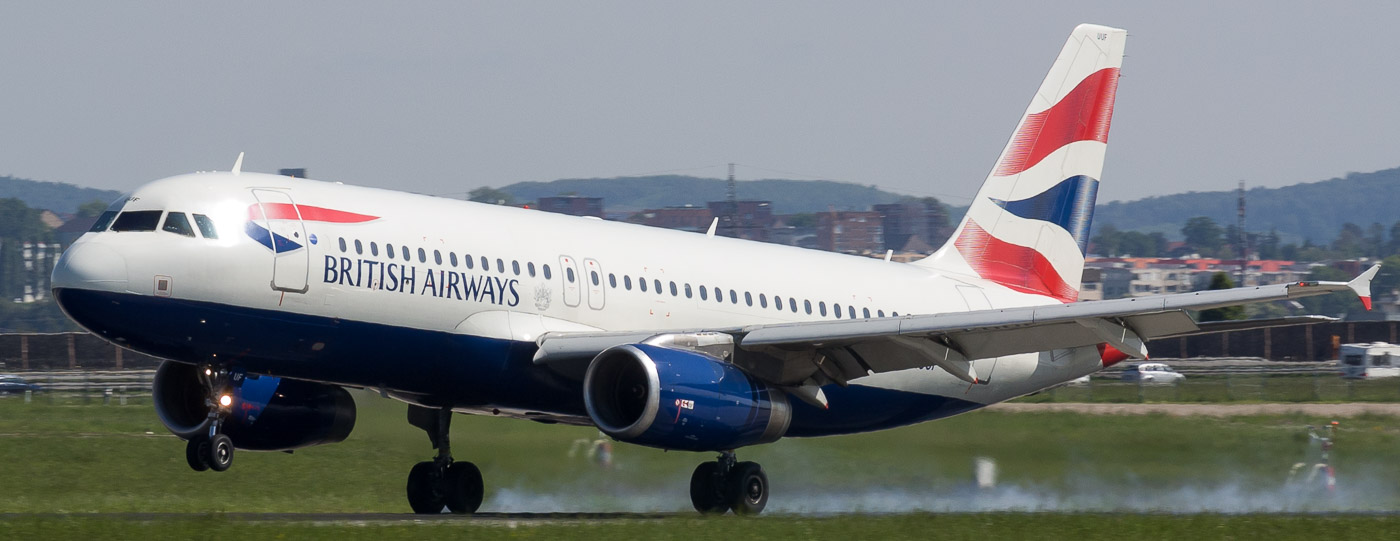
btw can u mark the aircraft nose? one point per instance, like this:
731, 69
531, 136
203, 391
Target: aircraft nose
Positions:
90, 266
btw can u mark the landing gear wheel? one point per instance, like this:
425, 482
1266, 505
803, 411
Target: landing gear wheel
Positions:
747, 488
463, 488
195, 451
705, 492
423, 484
220, 452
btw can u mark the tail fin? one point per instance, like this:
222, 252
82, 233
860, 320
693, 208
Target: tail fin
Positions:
1028, 227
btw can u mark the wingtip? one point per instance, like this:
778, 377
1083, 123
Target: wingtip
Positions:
1362, 285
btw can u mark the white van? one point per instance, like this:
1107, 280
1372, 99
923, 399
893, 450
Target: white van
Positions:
1373, 360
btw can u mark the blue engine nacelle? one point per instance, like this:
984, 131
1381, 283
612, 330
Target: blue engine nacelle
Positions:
680, 399
266, 413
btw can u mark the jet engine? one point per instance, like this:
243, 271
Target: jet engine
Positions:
265, 413
681, 399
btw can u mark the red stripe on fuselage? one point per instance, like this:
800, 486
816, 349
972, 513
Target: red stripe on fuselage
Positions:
1014, 266
287, 211
1082, 115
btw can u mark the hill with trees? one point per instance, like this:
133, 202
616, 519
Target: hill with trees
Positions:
1315, 212
55, 196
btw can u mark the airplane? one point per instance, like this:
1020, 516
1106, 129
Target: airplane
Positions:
268, 296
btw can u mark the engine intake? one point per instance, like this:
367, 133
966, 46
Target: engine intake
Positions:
269, 413
680, 399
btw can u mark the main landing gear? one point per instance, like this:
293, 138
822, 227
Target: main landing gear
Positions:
441, 482
727, 484
214, 450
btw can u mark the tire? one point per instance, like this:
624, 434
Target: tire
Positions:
747, 489
464, 488
194, 454
423, 494
705, 492
220, 453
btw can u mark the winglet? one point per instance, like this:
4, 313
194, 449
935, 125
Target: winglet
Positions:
1362, 285
238, 164
713, 225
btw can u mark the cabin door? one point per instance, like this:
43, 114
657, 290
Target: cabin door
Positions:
282, 231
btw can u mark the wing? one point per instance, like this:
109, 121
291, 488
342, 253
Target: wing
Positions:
810, 354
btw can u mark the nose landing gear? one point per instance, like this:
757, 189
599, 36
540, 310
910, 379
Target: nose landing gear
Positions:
726, 484
213, 451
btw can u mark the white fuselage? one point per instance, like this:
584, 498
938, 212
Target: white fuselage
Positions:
530, 272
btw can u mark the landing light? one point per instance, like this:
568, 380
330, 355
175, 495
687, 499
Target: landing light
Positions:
225, 400
208, 372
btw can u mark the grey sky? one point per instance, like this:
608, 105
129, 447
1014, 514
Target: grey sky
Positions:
917, 97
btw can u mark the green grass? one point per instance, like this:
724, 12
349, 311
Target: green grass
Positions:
75, 458
915, 526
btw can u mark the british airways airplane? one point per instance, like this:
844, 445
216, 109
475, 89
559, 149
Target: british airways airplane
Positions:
270, 295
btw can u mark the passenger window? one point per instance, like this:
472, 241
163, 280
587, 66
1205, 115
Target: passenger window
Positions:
703, 295
500, 265
103, 221
627, 282
485, 264
719, 295
342, 245
808, 305
657, 283
374, 248
762, 301
515, 267
547, 274
612, 280
837, 309
880, 313
403, 250
569, 273
792, 305
673, 289
894, 314
437, 256
530, 266
642, 284
748, 298
733, 296
359, 248
137, 220
467, 260
176, 222
206, 226
851, 311
865, 312
687, 291
821, 306
422, 256
451, 257
593, 275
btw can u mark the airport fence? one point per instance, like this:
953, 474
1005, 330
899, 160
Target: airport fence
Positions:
110, 387
1226, 386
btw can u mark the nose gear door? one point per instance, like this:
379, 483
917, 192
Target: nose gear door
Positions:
286, 235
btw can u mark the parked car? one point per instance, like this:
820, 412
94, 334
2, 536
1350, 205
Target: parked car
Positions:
15, 385
1152, 373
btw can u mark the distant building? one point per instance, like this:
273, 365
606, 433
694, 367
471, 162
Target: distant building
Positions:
683, 218
852, 232
751, 220
1105, 283
913, 226
572, 205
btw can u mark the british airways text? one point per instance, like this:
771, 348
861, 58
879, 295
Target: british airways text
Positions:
439, 283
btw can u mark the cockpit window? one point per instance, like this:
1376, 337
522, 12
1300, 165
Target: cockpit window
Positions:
103, 221
206, 226
137, 220
177, 223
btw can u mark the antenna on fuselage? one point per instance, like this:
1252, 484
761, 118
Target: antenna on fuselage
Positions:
238, 164
713, 224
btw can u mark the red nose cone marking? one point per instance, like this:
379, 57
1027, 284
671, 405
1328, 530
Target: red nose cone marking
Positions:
1110, 355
